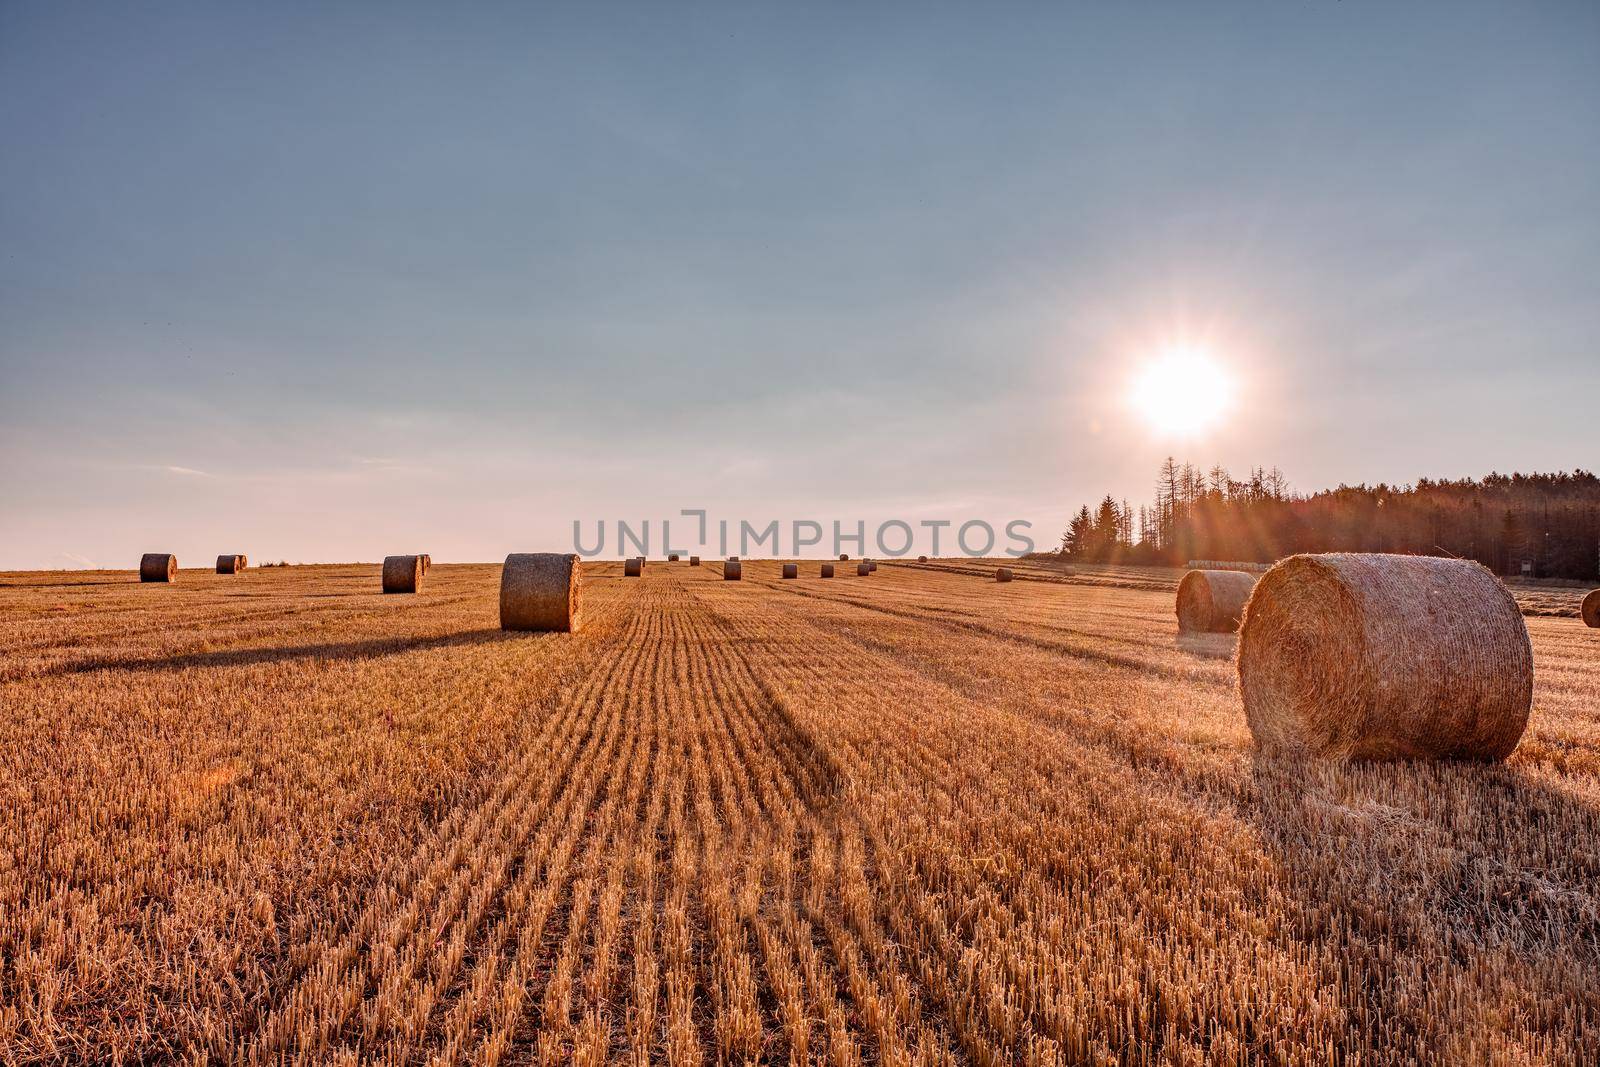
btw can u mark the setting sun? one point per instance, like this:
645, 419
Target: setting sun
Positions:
1182, 392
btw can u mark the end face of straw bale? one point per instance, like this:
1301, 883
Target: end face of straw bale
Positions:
694, 561
1363, 656
1591, 609
1213, 601
633, 567
791, 570
541, 591
1002, 574
402, 574
732, 570
827, 570
158, 567
427, 562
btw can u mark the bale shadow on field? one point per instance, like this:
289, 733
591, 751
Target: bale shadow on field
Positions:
1207, 645
1426, 874
373, 648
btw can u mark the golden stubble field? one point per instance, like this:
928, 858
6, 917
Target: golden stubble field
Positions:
913, 818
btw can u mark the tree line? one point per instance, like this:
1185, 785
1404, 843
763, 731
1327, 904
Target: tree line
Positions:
1545, 525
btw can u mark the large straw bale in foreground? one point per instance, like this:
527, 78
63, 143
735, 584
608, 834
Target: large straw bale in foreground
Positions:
1380, 657
633, 567
232, 563
540, 591
1213, 601
402, 574
1591, 609
732, 571
158, 567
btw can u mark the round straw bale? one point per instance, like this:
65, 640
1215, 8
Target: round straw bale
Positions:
732, 571
634, 567
1357, 656
230, 564
872, 565
244, 561
922, 559
827, 570
863, 569
427, 562
672, 558
402, 574
694, 561
158, 567
1213, 601
791, 570
1591, 609
540, 591
1002, 574
734, 558
844, 555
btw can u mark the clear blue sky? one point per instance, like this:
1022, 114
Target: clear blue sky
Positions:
328, 282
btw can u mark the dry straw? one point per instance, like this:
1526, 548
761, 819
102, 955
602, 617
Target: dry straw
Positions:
402, 574
732, 570
1002, 574
540, 591
231, 564
827, 570
1385, 657
634, 567
158, 567
1213, 601
863, 569
791, 570
427, 562
1591, 609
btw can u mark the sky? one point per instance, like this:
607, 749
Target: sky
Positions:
335, 281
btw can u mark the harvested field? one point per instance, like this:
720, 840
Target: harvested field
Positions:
922, 819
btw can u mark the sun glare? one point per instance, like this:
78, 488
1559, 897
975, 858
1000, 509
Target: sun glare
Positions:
1182, 392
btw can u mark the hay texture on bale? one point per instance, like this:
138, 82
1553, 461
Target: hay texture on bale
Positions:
827, 570
402, 574
427, 562
1213, 601
540, 591
1591, 609
694, 561
634, 567
863, 569
158, 567
791, 570
732, 571
1002, 574
1358, 656
230, 564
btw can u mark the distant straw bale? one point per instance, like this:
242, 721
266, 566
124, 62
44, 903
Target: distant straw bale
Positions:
402, 574
158, 567
540, 591
427, 562
672, 557
1359, 656
633, 567
732, 571
694, 561
1002, 574
827, 570
863, 569
232, 563
1213, 601
791, 570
